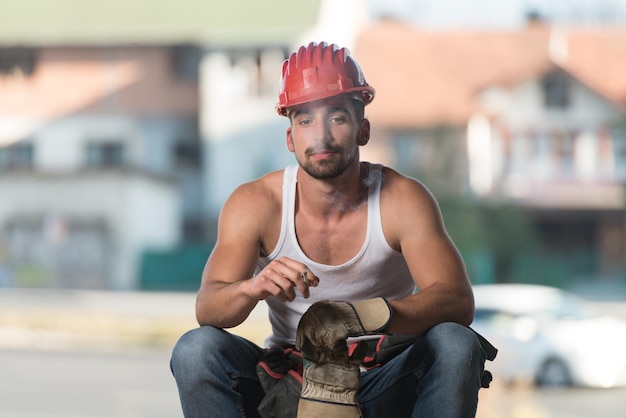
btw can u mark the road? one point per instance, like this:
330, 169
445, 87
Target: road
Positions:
40, 384
138, 384
528, 402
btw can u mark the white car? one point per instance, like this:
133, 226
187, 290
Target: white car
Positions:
549, 337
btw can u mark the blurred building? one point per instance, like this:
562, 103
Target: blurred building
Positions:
538, 116
124, 127
107, 115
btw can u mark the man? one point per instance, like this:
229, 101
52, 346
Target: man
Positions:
337, 248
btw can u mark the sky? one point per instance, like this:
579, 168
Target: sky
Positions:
447, 14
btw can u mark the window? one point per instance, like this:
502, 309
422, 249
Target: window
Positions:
18, 156
105, 154
618, 136
556, 90
562, 158
13, 60
187, 154
255, 68
186, 61
409, 149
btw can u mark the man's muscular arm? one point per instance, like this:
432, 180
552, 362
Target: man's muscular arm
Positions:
229, 291
413, 225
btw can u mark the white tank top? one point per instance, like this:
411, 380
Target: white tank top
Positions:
377, 269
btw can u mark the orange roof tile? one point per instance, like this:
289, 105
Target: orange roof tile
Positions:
598, 58
431, 77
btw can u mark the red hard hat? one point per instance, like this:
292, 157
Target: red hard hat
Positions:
318, 71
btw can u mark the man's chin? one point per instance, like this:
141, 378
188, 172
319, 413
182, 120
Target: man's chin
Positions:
324, 171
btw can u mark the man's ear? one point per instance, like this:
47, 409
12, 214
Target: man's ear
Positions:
364, 132
289, 139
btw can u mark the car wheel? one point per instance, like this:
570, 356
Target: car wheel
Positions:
553, 373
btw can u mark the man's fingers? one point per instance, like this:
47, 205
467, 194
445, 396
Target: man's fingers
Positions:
280, 287
286, 274
302, 283
309, 278
305, 277
300, 275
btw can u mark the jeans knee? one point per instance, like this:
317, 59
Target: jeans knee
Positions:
194, 347
455, 343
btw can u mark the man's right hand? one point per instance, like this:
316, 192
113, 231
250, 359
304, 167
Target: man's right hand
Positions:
280, 278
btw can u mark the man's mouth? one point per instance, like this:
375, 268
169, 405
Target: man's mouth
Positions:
320, 153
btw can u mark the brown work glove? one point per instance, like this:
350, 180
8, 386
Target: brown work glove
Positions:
329, 390
331, 377
324, 327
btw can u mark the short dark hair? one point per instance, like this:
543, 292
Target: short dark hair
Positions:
359, 109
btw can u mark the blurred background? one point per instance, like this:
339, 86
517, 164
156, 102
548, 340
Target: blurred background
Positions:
125, 125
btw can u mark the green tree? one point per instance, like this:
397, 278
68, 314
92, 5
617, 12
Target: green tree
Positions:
489, 236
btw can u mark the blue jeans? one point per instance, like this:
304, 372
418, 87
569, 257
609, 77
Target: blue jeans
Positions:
438, 376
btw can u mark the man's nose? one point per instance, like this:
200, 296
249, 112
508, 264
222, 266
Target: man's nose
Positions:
322, 129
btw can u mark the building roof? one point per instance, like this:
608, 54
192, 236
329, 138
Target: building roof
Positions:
239, 22
427, 78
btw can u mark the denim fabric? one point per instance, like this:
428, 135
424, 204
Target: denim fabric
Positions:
438, 376
216, 374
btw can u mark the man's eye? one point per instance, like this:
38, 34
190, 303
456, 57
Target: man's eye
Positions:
338, 119
304, 122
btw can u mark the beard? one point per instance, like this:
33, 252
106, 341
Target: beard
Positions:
329, 168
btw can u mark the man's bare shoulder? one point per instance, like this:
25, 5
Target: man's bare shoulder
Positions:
262, 193
407, 206
395, 184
